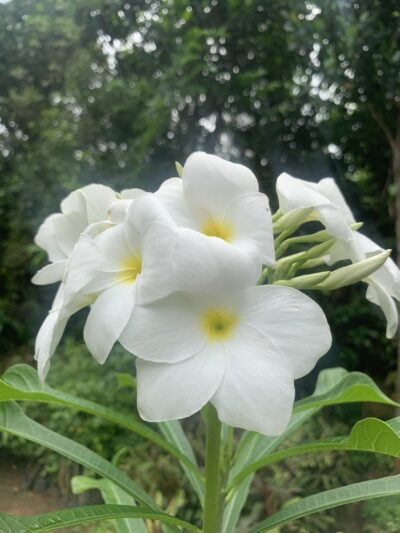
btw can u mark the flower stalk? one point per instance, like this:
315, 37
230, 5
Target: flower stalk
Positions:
213, 497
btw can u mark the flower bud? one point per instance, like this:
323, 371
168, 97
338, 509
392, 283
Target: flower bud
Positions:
351, 274
307, 281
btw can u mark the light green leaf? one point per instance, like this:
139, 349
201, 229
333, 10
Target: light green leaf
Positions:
125, 380
175, 435
329, 499
111, 494
368, 435
84, 515
21, 382
353, 387
13, 420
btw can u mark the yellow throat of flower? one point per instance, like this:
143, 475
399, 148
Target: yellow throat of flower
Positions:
130, 269
217, 228
219, 323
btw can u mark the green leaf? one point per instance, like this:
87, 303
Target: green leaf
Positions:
13, 420
353, 387
174, 434
368, 435
125, 380
21, 382
111, 494
84, 515
329, 499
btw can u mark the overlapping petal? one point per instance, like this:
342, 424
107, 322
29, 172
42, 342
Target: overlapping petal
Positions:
212, 183
257, 390
107, 319
166, 331
291, 321
171, 391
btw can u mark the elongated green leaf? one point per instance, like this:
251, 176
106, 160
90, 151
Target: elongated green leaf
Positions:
353, 387
329, 499
368, 435
13, 420
84, 515
21, 382
111, 494
174, 434
254, 446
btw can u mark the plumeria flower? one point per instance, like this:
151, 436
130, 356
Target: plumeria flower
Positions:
68, 300
322, 201
120, 266
223, 340
85, 210
383, 284
222, 199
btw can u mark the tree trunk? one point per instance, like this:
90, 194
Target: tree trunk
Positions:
395, 145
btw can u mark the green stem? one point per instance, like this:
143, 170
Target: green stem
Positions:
213, 497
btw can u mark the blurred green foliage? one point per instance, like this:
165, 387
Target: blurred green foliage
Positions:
114, 91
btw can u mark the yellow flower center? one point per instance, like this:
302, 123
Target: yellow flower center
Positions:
130, 269
217, 228
219, 323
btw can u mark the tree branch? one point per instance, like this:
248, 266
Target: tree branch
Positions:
381, 123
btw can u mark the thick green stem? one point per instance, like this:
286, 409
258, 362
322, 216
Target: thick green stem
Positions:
213, 497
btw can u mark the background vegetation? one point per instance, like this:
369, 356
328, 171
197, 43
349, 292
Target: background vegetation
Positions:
114, 91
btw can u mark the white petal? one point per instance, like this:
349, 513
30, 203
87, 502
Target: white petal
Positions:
170, 194
295, 193
132, 194
46, 239
334, 222
144, 212
107, 319
388, 275
212, 183
117, 245
82, 266
377, 295
211, 267
330, 209
257, 390
67, 229
292, 322
250, 217
157, 277
168, 330
47, 339
50, 273
97, 199
118, 209
178, 390
52, 328
328, 188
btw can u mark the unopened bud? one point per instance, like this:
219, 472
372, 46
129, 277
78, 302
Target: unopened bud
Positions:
179, 169
291, 220
307, 281
351, 274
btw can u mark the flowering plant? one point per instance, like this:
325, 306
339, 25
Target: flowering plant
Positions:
203, 285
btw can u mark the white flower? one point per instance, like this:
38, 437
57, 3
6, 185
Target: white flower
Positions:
68, 300
321, 201
223, 340
81, 211
123, 265
383, 284
222, 199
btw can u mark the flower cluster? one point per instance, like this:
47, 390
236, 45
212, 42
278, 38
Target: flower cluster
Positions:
176, 278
